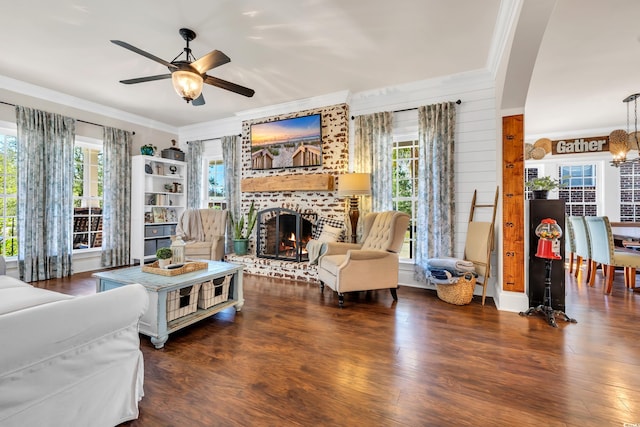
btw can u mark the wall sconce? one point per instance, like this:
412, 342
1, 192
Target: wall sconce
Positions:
353, 185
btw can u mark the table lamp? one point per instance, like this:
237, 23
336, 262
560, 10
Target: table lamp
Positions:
353, 185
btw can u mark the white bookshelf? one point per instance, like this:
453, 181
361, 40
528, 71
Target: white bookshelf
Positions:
158, 198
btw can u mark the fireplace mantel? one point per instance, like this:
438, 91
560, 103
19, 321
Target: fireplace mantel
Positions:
310, 182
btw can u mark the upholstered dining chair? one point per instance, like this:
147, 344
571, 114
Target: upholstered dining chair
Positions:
603, 252
370, 265
582, 249
570, 244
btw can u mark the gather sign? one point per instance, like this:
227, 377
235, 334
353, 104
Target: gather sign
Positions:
593, 144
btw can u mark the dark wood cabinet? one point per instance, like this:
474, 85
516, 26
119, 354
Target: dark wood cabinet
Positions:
539, 210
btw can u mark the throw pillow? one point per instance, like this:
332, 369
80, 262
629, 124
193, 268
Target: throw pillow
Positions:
330, 234
322, 221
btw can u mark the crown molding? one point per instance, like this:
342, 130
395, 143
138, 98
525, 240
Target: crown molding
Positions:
28, 89
507, 18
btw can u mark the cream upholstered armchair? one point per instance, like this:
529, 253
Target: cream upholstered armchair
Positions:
203, 232
373, 264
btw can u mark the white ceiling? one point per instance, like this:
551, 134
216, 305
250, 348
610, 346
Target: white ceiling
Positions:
288, 50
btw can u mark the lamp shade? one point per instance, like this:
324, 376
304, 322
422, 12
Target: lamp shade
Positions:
354, 184
187, 84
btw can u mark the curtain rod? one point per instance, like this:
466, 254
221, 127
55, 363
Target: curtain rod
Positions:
410, 109
209, 139
78, 120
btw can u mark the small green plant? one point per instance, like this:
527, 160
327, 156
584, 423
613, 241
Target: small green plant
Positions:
238, 226
164, 253
543, 183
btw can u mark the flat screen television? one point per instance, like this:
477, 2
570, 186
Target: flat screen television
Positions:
287, 143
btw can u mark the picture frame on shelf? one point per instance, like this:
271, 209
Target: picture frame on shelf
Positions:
171, 215
148, 217
159, 214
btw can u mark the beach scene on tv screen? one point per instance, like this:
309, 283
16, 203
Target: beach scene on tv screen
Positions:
295, 142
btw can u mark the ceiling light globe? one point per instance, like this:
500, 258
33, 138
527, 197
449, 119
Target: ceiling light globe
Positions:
187, 84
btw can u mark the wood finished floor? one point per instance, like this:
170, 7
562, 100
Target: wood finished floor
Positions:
291, 357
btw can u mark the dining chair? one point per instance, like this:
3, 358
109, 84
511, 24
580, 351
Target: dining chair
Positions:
604, 252
570, 244
582, 243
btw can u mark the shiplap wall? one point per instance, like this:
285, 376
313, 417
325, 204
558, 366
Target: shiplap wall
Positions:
476, 150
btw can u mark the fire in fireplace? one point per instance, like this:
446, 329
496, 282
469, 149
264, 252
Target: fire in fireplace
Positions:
283, 234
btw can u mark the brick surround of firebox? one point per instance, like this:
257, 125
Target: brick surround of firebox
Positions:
335, 161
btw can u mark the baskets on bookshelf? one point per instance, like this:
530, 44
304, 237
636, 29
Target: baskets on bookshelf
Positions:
459, 293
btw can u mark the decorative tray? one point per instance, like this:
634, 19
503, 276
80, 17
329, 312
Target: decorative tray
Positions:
188, 267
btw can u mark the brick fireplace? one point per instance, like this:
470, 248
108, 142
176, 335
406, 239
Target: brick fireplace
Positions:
335, 161
283, 234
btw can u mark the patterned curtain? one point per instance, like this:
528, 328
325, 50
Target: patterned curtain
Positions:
372, 154
116, 197
231, 181
45, 188
194, 175
436, 204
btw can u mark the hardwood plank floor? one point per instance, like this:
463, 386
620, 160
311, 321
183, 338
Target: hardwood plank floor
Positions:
293, 358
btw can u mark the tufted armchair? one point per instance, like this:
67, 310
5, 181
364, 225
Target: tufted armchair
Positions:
373, 264
203, 231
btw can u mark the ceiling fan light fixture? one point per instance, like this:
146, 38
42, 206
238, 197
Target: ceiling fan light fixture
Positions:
187, 84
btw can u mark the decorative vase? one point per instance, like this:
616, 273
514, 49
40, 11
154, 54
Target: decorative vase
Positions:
240, 246
540, 194
147, 151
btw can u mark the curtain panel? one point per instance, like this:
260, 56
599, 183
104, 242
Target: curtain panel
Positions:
231, 182
45, 189
194, 174
436, 185
372, 154
116, 197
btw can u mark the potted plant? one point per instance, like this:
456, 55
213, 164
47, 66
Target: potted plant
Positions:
164, 257
542, 185
148, 150
240, 232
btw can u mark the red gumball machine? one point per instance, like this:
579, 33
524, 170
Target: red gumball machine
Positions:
549, 234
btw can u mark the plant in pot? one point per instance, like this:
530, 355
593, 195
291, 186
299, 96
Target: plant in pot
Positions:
542, 185
164, 257
240, 232
148, 150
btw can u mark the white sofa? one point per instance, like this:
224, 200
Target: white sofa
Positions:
69, 361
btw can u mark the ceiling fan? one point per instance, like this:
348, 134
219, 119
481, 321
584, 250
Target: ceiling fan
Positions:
188, 74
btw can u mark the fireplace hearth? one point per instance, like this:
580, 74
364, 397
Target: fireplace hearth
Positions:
283, 234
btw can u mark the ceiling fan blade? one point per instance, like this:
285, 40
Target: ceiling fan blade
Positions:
210, 60
214, 81
198, 101
146, 79
143, 53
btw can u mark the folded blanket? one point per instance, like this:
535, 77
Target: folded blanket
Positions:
454, 265
314, 249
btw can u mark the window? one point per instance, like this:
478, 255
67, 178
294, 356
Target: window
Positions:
405, 187
529, 174
87, 196
630, 192
579, 189
216, 194
8, 195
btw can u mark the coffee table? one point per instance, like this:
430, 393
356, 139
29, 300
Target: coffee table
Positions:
154, 322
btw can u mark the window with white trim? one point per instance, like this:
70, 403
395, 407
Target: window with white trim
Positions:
579, 189
216, 194
8, 194
87, 196
405, 188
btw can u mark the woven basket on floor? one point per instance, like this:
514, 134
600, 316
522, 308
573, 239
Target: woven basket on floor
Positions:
459, 293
